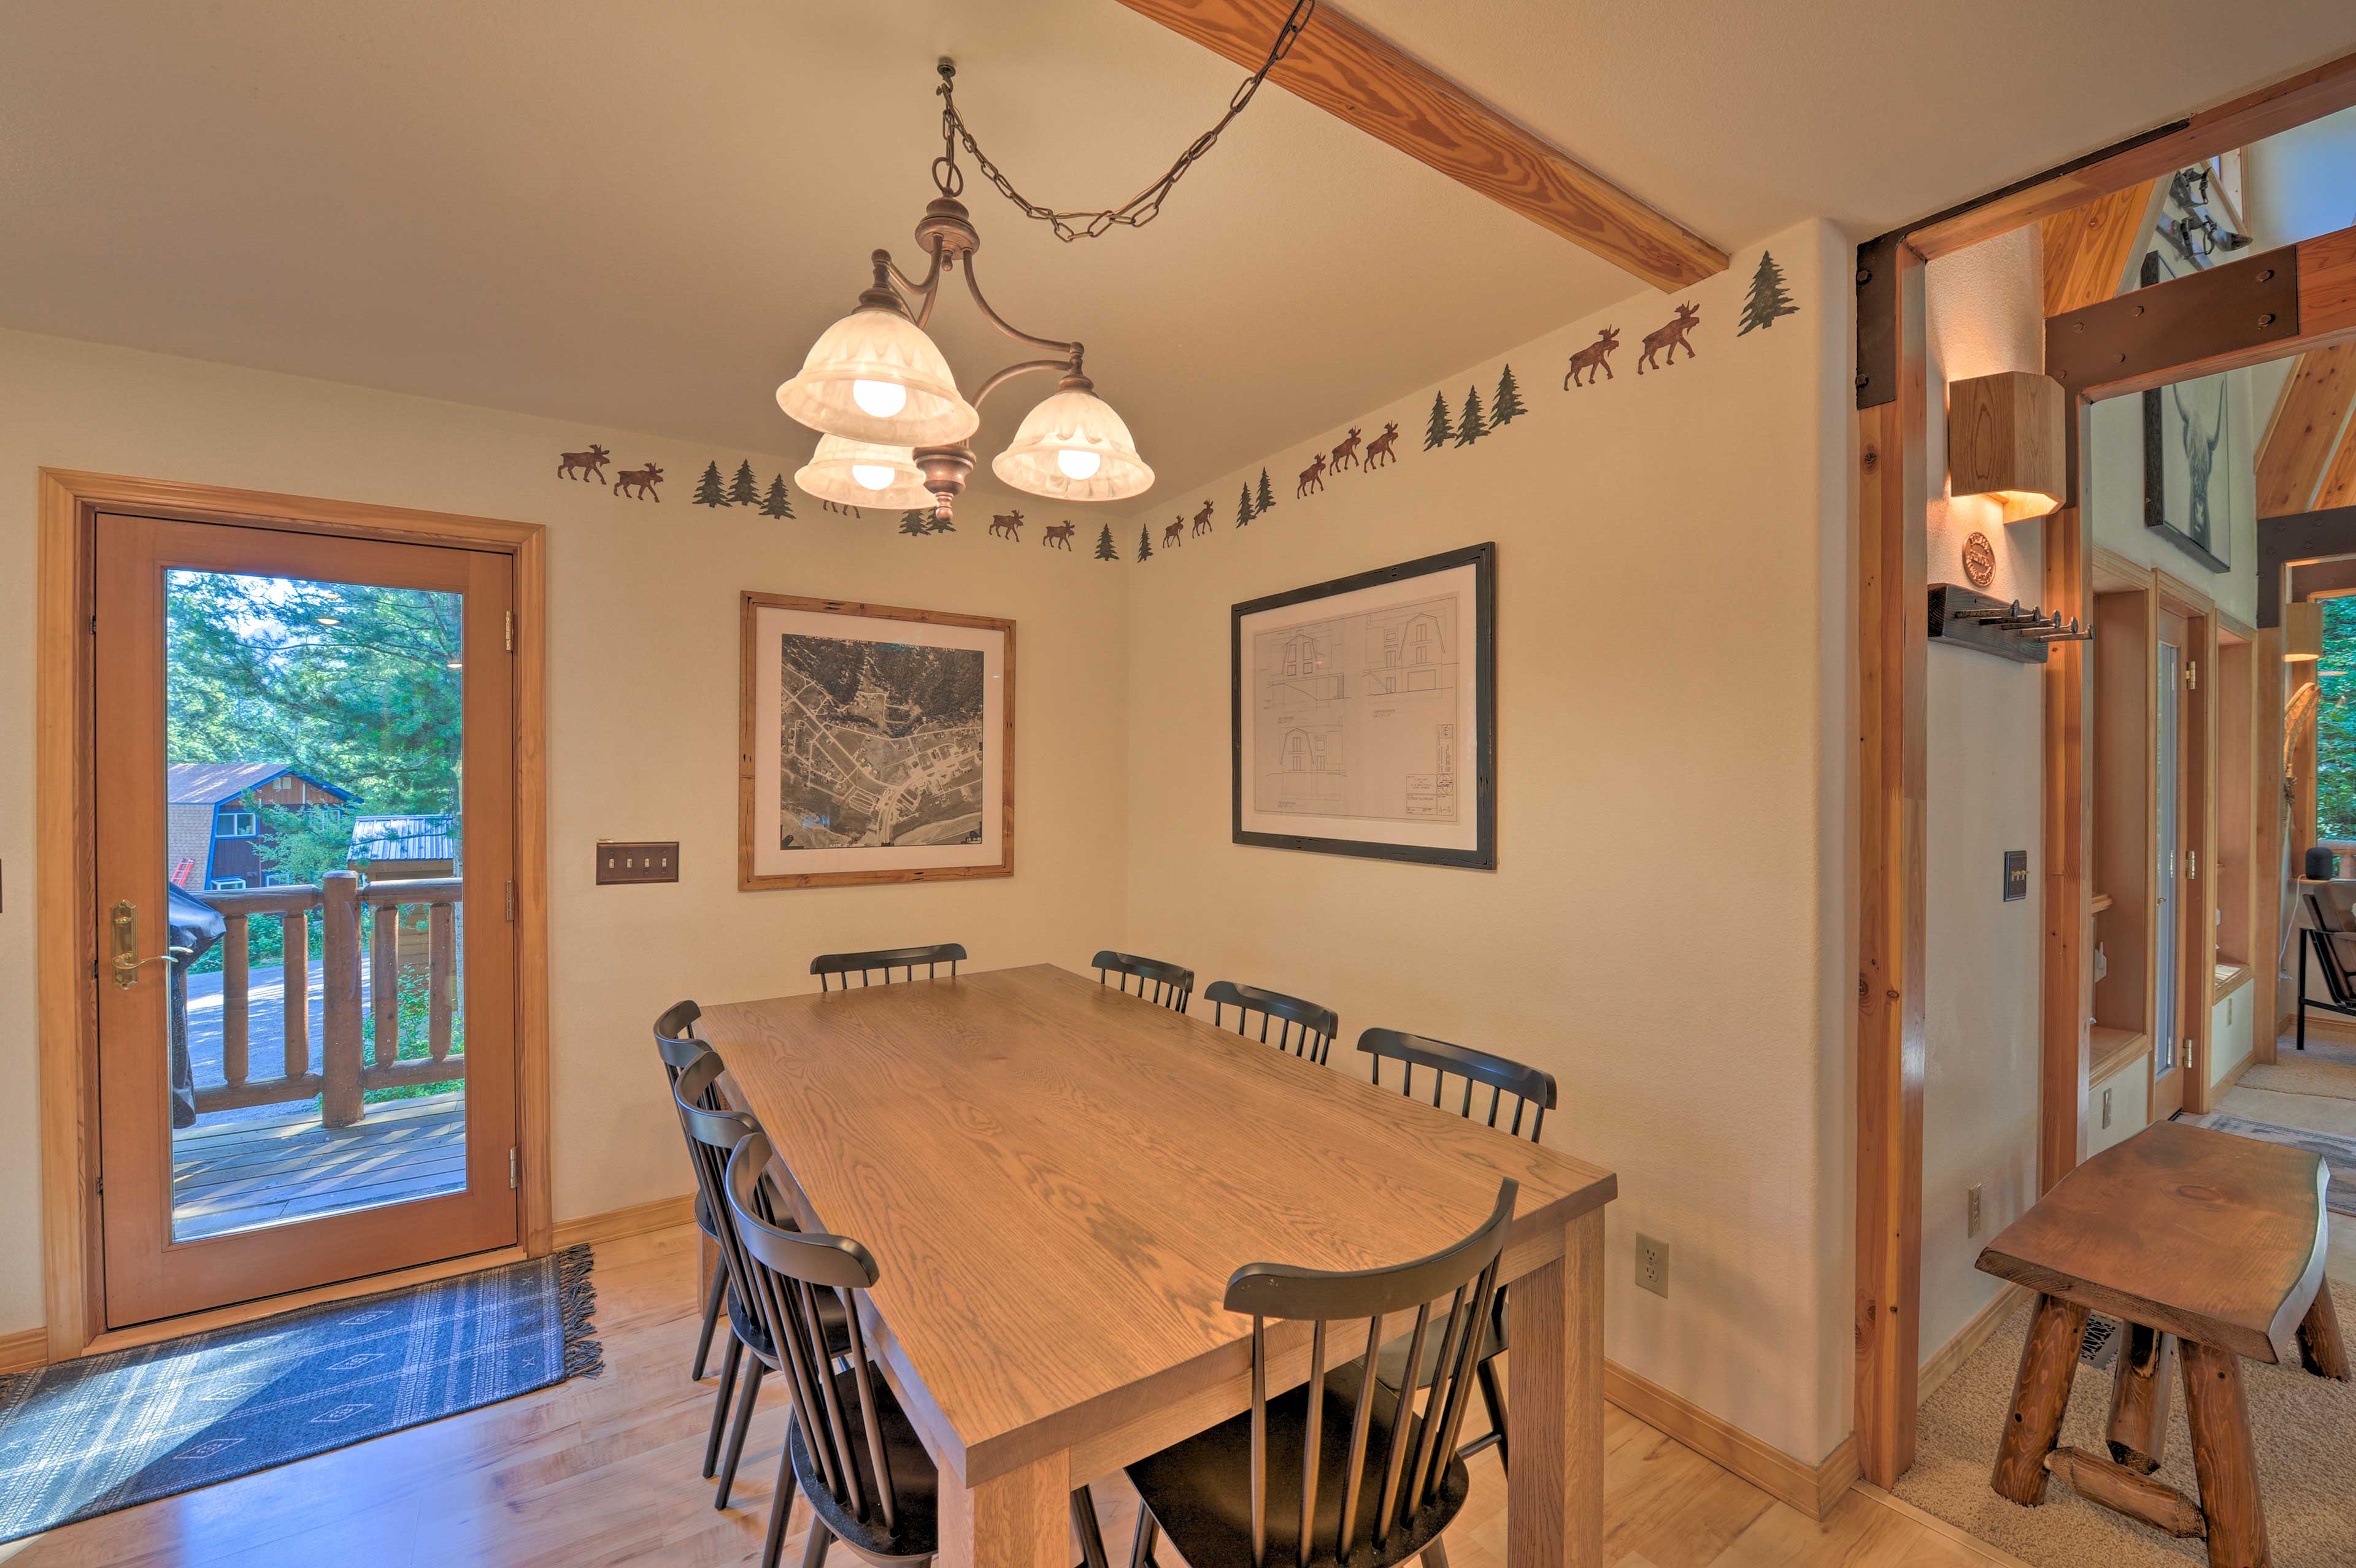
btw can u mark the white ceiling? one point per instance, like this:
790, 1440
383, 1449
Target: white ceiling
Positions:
640, 214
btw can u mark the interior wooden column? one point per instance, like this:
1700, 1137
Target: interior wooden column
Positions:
1892, 652
2267, 856
2066, 996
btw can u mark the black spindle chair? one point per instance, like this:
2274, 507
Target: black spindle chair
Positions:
1164, 985
1532, 1090
2322, 938
1304, 1028
1378, 1480
851, 1449
835, 970
676, 1043
713, 1136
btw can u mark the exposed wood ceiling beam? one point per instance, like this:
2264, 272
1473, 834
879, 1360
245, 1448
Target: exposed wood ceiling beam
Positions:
2306, 422
2293, 101
1352, 74
2089, 249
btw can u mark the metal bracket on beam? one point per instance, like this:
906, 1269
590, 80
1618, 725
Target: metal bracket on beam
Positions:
1877, 321
2134, 341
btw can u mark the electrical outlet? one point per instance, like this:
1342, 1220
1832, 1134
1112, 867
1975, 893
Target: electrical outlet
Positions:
1972, 1202
1652, 1265
2106, 1107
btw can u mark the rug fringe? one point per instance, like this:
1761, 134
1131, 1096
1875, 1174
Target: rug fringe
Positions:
576, 1297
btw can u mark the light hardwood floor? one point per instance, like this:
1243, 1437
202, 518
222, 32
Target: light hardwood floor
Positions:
605, 1471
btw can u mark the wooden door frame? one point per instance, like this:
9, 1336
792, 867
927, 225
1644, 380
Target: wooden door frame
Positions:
1890, 652
66, 916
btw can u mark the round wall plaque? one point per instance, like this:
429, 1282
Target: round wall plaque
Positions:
1979, 561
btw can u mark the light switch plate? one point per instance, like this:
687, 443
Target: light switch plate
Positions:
1972, 1202
637, 860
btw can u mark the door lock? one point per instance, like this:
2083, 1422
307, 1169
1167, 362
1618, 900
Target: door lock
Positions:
128, 962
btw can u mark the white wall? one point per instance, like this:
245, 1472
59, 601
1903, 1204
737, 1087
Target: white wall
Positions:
642, 717
1985, 766
1667, 931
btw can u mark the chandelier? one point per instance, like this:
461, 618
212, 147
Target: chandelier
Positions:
892, 426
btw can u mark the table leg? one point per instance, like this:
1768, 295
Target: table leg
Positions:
1019, 1519
2049, 1364
2223, 1458
2138, 1432
2320, 1346
1554, 1493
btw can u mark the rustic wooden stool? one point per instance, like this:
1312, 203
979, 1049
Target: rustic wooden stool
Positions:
2209, 1248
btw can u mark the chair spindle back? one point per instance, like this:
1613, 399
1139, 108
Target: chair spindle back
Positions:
1164, 985
1304, 1029
1532, 1089
835, 970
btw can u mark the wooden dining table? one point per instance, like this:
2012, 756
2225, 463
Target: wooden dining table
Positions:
1056, 1180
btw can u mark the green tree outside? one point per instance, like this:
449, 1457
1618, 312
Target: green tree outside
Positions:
2335, 723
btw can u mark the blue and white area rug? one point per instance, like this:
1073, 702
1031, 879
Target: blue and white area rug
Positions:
103, 1433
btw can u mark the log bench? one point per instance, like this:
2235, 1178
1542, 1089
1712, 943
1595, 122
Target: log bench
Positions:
2208, 1248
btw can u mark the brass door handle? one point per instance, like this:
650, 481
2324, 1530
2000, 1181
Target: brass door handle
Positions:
124, 919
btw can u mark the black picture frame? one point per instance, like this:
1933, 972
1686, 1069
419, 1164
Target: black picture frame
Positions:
1482, 856
2154, 473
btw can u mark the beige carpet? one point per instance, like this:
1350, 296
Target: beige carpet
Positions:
2306, 1431
2325, 1068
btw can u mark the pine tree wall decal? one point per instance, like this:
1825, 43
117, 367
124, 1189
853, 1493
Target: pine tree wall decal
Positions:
711, 490
915, 524
1105, 549
1437, 431
1508, 406
779, 502
1767, 299
1145, 544
1266, 498
1469, 426
744, 490
937, 524
1243, 507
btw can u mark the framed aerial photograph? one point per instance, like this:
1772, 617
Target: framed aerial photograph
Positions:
876, 744
1363, 714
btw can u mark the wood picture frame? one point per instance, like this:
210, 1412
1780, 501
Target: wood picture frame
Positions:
1348, 704
800, 794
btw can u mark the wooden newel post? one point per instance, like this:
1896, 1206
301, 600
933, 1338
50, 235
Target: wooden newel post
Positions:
340, 1051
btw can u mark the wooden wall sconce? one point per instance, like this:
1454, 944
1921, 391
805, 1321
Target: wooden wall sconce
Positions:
2005, 442
2302, 620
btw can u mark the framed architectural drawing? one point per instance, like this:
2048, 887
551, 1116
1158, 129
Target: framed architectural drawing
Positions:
1365, 714
876, 744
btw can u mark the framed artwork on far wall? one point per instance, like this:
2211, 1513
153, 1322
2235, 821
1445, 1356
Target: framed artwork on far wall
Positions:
876, 744
2188, 461
1363, 714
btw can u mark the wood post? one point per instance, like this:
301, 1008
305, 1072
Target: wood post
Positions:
2223, 1458
384, 982
2040, 1393
234, 1021
2322, 1350
294, 969
441, 978
2138, 1432
340, 1054
2119, 1489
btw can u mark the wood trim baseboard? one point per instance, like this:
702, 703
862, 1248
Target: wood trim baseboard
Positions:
1942, 1362
25, 1349
1813, 1489
2232, 1077
66, 922
1938, 1527
615, 1223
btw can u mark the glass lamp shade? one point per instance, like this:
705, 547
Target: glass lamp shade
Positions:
1073, 447
845, 473
875, 377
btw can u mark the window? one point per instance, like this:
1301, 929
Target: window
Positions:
237, 825
277, 879
227, 884
2335, 722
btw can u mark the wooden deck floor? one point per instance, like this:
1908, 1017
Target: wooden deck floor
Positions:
236, 1175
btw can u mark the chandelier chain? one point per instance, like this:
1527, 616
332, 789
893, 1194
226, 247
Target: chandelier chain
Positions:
1140, 209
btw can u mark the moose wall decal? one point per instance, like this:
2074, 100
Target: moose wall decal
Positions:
1671, 338
1595, 359
1059, 535
1007, 526
640, 480
1312, 478
1203, 520
1175, 534
584, 466
1346, 455
1379, 451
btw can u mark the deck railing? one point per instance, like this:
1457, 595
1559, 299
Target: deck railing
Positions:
342, 1077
